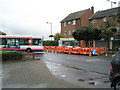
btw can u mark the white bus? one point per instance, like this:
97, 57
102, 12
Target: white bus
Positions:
21, 43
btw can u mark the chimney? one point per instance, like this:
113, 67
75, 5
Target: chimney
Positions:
92, 9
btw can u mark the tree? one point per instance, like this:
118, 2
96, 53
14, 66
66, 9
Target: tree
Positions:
87, 33
2, 33
51, 36
110, 21
108, 32
57, 36
108, 28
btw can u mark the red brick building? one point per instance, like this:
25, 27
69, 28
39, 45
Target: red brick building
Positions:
74, 21
101, 16
87, 18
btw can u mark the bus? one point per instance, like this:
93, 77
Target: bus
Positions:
21, 43
69, 42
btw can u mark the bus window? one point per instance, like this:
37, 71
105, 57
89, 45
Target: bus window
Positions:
10, 41
36, 41
22, 41
17, 42
3, 41
0, 41
26, 41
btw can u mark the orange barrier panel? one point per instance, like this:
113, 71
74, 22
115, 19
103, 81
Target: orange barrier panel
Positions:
67, 50
77, 50
53, 48
85, 50
46, 48
102, 50
60, 49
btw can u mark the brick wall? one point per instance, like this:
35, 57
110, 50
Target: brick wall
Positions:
97, 23
83, 21
69, 28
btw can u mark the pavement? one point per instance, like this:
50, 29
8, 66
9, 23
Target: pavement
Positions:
31, 74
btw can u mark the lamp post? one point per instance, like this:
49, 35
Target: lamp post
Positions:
50, 28
112, 3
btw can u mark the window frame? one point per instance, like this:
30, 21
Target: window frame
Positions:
65, 32
74, 22
65, 23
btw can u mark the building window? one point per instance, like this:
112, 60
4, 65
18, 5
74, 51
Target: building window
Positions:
65, 24
65, 32
74, 22
104, 19
93, 21
69, 22
69, 32
73, 30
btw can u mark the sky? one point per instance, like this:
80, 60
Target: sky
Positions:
29, 17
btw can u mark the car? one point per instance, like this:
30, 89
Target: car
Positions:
115, 71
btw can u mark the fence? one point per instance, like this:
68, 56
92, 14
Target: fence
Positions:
76, 50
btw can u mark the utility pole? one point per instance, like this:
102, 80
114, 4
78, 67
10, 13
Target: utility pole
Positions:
112, 3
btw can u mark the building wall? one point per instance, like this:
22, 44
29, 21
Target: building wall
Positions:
101, 44
83, 21
97, 22
85, 18
69, 28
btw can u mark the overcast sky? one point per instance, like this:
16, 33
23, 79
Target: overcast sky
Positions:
29, 17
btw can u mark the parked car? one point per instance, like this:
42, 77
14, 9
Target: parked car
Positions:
115, 71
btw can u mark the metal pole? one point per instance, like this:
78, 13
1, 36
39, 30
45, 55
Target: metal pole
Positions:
51, 30
111, 4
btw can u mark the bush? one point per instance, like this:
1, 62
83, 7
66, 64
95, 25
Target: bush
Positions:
11, 55
50, 43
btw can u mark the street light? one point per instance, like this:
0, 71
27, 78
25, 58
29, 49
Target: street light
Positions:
50, 28
112, 3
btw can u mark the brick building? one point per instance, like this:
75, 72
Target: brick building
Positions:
74, 21
87, 18
101, 16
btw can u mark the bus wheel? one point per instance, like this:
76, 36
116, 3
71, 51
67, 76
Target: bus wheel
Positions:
28, 50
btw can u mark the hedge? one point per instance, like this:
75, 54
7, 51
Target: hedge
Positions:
11, 55
50, 43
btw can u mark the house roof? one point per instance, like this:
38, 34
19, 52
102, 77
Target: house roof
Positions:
75, 15
104, 13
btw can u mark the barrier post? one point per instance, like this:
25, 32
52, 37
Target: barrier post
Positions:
90, 53
106, 54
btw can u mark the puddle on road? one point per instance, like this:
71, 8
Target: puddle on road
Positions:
55, 69
94, 83
81, 80
94, 60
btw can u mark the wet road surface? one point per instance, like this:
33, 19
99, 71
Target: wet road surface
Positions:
91, 72
99, 64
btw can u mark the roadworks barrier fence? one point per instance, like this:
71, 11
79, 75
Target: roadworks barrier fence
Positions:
76, 50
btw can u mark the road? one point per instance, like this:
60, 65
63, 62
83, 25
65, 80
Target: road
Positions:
99, 64
88, 71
